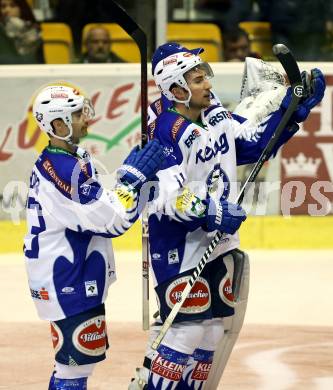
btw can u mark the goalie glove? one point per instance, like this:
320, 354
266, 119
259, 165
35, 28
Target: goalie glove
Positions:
314, 92
141, 165
263, 88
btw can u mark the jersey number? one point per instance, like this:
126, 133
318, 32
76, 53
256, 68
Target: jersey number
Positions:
35, 230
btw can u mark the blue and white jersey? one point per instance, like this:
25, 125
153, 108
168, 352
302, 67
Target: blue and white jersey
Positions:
201, 162
71, 218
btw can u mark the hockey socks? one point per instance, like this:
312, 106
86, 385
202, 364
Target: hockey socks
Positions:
67, 384
167, 369
197, 370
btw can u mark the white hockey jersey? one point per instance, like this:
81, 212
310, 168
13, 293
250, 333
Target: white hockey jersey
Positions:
71, 218
201, 163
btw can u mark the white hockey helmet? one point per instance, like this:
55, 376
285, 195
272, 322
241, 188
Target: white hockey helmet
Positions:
171, 70
59, 102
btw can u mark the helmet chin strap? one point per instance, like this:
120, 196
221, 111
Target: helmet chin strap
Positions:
68, 138
186, 101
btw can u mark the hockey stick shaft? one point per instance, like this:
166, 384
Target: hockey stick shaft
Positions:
140, 38
291, 68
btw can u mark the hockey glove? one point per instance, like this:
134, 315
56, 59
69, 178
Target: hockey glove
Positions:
141, 165
224, 216
314, 92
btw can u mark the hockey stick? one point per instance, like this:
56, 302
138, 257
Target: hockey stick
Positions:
140, 38
291, 68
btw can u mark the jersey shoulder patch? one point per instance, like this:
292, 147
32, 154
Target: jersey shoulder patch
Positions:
170, 126
65, 171
151, 129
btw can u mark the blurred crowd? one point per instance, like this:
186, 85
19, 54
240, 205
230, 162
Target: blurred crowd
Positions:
305, 26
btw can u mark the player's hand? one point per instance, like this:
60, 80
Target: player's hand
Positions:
224, 216
141, 165
314, 92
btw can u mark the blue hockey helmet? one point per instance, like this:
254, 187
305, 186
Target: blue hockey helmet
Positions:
168, 49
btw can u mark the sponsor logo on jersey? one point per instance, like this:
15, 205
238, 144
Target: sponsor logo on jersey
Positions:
168, 151
225, 291
220, 116
201, 371
166, 369
158, 106
218, 183
56, 179
57, 337
198, 299
41, 294
192, 137
206, 154
125, 197
90, 336
156, 256
68, 290
188, 203
91, 288
173, 256
176, 126
151, 129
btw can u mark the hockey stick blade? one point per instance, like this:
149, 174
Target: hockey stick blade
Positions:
291, 68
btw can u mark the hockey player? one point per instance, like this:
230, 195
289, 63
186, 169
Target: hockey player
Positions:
205, 144
71, 218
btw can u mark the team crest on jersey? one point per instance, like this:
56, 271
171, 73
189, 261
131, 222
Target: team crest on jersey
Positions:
197, 301
90, 336
218, 182
57, 337
225, 291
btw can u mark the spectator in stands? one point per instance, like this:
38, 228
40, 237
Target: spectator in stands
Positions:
305, 26
98, 44
20, 35
236, 45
